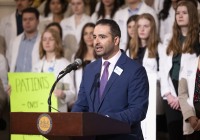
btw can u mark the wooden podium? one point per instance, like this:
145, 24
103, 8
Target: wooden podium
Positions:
64, 126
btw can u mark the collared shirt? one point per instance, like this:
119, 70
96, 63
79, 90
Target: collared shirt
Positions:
19, 23
112, 61
134, 11
24, 58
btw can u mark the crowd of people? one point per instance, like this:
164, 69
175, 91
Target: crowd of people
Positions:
160, 35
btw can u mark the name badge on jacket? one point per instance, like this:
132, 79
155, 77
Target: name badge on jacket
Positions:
118, 70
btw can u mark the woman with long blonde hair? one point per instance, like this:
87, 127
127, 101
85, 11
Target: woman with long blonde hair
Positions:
52, 61
143, 47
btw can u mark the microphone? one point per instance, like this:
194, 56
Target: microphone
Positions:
73, 66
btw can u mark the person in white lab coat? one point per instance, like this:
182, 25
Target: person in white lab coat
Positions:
107, 9
167, 17
3, 99
3, 106
175, 47
53, 12
73, 25
25, 47
189, 96
134, 7
131, 29
4, 71
2, 45
67, 50
11, 25
158, 5
52, 61
85, 52
56, 26
144, 44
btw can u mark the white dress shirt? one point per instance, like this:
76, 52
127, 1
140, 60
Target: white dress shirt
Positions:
112, 61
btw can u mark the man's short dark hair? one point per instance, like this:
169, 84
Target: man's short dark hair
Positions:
31, 10
114, 27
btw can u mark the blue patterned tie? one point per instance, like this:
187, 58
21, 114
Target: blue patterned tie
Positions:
104, 78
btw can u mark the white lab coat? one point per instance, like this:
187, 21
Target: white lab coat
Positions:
186, 96
67, 81
77, 78
8, 29
165, 67
94, 17
151, 67
44, 21
77, 75
166, 26
15, 48
158, 5
69, 27
3, 71
150, 64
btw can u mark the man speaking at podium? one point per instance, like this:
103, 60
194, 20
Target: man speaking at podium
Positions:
114, 85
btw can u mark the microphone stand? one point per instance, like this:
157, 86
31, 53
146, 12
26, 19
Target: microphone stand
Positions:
53, 87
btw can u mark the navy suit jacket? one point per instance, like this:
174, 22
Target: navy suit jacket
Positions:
125, 97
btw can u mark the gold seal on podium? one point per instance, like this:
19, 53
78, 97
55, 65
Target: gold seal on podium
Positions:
44, 123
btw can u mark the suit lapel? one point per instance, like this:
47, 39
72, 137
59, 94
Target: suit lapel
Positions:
113, 77
95, 72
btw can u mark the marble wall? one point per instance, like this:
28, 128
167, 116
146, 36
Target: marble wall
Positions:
6, 7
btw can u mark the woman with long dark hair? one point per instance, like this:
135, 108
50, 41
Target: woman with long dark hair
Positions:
85, 52
106, 10
54, 11
131, 22
73, 25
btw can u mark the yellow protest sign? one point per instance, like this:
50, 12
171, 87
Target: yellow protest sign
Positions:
29, 93
27, 137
